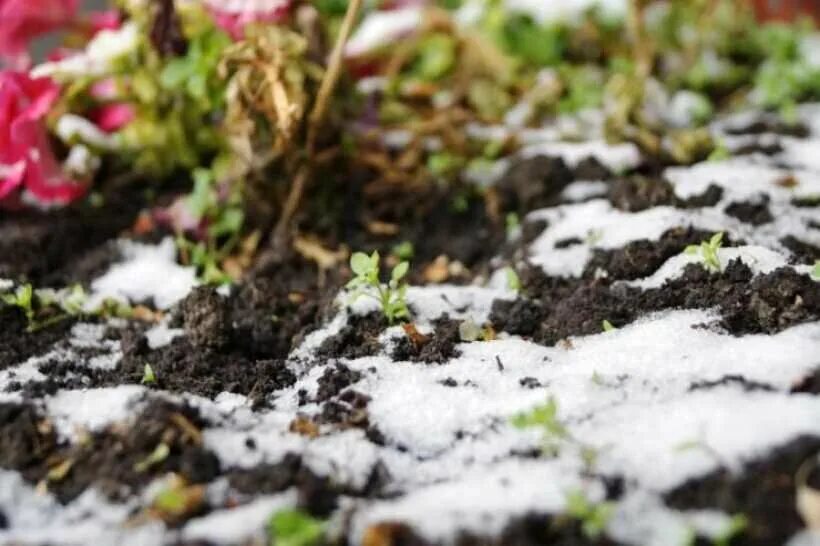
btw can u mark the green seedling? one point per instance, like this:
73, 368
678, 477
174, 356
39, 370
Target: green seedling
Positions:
391, 296
159, 454
513, 280
607, 326
45, 307
513, 223
291, 527
544, 417
816, 272
404, 251
593, 517
720, 153
148, 375
708, 251
736, 526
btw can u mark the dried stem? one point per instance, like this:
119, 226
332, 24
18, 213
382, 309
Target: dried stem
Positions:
315, 122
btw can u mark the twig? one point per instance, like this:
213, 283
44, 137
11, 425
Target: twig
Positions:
315, 121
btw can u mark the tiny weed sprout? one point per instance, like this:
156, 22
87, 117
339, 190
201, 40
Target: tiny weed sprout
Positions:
512, 223
366, 282
291, 527
544, 417
45, 307
708, 251
593, 517
735, 527
513, 280
816, 272
404, 251
607, 326
148, 375
156, 457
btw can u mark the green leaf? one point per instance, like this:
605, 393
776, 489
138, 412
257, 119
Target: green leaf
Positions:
607, 326
175, 73
816, 272
290, 527
360, 264
513, 281
716, 240
148, 376
400, 271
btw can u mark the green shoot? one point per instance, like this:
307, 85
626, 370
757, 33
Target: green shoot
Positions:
513, 223
148, 375
544, 417
23, 298
291, 527
404, 251
159, 454
720, 153
513, 280
593, 517
391, 296
816, 272
607, 326
44, 307
708, 251
736, 526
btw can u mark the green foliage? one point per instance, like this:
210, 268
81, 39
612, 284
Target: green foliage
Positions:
195, 74
708, 251
291, 527
148, 375
607, 326
593, 517
513, 280
737, 526
223, 218
544, 417
45, 307
366, 282
816, 272
435, 57
403, 251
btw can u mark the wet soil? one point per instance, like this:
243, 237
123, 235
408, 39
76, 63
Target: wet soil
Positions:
555, 309
764, 491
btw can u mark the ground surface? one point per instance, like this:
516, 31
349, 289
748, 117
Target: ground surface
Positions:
694, 412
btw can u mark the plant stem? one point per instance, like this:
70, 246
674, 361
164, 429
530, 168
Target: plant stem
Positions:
315, 121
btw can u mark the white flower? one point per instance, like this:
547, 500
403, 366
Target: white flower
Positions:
97, 59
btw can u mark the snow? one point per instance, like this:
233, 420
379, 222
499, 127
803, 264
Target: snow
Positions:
663, 400
546, 11
148, 272
382, 27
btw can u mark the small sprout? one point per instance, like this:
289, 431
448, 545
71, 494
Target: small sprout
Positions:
291, 527
513, 223
708, 251
59, 472
404, 251
607, 326
468, 330
544, 417
816, 272
734, 528
391, 296
720, 153
159, 454
23, 298
178, 500
593, 517
513, 281
148, 375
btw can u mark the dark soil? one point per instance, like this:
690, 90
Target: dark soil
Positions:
755, 212
438, 347
358, 338
637, 193
802, 252
533, 183
17, 344
642, 258
764, 492
110, 459
560, 308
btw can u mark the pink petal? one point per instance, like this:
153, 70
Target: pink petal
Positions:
233, 16
11, 177
105, 20
113, 117
23, 20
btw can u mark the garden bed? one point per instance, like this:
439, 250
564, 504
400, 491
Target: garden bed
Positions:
677, 399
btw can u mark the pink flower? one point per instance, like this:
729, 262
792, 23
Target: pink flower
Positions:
233, 16
23, 20
112, 117
26, 158
104, 20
